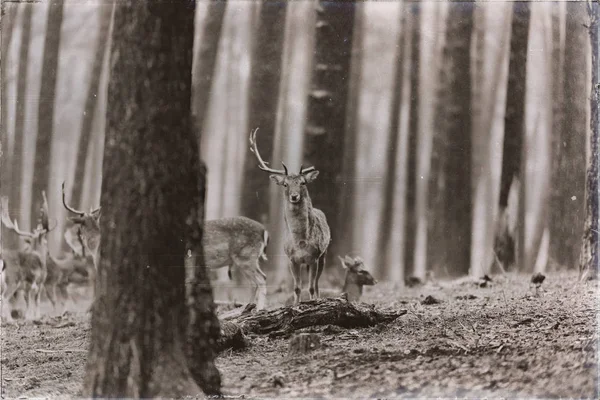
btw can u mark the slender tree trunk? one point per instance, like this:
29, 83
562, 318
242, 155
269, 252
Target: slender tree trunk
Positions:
386, 226
568, 200
91, 106
152, 197
451, 191
206, 60
264, 95
327, 104
17, 153
45, 127
588, 265
410, 225
9, 14
514, 130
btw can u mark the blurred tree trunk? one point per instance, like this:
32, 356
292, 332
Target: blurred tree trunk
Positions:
151, 199
91, 103
386, 245
206, 61
11, 241
588, 264
567, 215
9, 14
514, 132
327, 104
264, 95
451, 159
45, 126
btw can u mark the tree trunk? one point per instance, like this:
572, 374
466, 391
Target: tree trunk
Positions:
451, 163
152, 198
264, 95
569, 147
9, 14
45, 127
588, 264
327, 103
386, 224
206, 60
514, 130
17, 154
91, 107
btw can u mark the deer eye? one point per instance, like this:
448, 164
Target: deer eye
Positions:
285, 184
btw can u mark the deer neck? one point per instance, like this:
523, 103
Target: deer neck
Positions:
297, 218
353, 289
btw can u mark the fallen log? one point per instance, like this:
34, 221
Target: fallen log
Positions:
286, 320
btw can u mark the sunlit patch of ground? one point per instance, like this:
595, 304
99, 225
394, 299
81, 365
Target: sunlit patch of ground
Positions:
500, 340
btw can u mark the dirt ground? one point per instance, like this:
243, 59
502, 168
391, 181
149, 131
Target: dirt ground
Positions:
501, 340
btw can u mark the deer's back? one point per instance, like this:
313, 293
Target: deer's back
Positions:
228, 238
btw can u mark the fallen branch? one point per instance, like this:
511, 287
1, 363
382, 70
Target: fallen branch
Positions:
45, 351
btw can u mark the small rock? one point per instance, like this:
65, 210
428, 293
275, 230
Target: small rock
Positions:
486, 278
278, 380
429, 300
538, 279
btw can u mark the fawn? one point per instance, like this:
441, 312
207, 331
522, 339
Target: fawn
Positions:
26, 270
227, 242
307, 233
356, 277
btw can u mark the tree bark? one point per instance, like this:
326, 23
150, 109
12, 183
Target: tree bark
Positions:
264, 95
9, 14
327, 104
206, 61
588, 264
568, 183
91, 107
17, 154
451, 163
514, 129
152, 198
45, 127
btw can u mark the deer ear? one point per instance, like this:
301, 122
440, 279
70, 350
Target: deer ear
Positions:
348, 260
311, 176
343, 263
278, 179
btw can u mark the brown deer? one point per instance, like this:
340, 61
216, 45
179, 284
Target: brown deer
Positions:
356, 277
307, 233
227, 242
26, 270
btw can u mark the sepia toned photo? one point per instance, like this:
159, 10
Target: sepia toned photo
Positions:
299, 199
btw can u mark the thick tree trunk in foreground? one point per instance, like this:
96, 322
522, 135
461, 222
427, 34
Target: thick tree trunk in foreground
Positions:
9, 14
568, 201
451, 163
264, 95
588, 264
45, 128
152, 198
327, 103
505, 242
91, 102
17, 153
206, 61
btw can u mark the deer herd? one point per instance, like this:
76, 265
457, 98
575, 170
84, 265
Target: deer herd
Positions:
236, 243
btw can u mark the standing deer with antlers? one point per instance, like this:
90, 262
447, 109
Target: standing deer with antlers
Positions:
26, 270
307, 233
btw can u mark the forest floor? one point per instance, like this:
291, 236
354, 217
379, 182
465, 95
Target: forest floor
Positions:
502, 340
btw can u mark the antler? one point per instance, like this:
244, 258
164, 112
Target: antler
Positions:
8, 223
261, 163
306, 170
74, 211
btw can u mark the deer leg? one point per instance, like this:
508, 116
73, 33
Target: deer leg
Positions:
51, 294
312, 275
297, 277
9, 292
37, 298
320, 267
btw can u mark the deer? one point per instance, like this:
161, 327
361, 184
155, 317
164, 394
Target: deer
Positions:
356, 276
307, 232
27, 269
233, 242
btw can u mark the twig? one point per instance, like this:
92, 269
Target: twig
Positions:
45, 351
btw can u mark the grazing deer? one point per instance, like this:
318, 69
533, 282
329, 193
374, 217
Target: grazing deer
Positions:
356, 277
307, 233
227, 242
26, 270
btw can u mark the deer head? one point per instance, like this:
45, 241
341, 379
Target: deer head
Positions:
87, 227
37, 239
355, 271
294, 184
